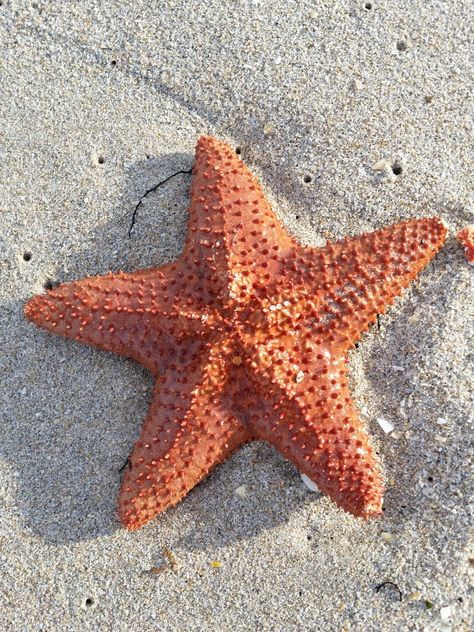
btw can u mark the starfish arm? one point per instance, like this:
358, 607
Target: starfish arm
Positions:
232, 229
187, 432
129, 314
311, 419
362, 275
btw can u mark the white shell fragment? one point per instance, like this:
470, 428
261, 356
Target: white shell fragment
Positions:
445, 612
309, 483
299, 377
386, 425
381, 165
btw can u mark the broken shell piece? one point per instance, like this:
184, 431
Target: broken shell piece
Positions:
381, 165
309, 483
386, 425
299, 377
445, 612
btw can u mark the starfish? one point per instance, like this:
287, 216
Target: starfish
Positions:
247, 334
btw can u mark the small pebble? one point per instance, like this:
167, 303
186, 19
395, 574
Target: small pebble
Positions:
241, 491
414, 596
356, 84
387, 537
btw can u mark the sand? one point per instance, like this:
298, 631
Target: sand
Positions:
370, 102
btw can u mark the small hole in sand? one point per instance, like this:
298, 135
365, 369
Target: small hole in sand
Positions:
49, 284
27, 256
401, 46
238, 150
397, 169
113, 62
307, 178
297, 216
368, 6
89, 602
101, 160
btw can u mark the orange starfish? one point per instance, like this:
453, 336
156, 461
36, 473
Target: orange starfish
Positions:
247, 335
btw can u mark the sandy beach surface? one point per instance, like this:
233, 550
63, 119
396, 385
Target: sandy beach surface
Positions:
354, 115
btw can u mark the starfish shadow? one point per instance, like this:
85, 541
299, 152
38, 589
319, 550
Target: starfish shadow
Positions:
255, 490
427, 465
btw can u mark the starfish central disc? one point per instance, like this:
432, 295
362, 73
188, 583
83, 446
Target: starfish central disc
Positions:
247, 335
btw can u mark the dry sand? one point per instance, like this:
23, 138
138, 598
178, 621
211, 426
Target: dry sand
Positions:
99, 101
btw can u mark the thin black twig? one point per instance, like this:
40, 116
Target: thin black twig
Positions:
378, 322
127, 462
154, 188
377, 588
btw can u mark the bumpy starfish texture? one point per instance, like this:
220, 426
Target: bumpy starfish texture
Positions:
247, 335
466, 239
